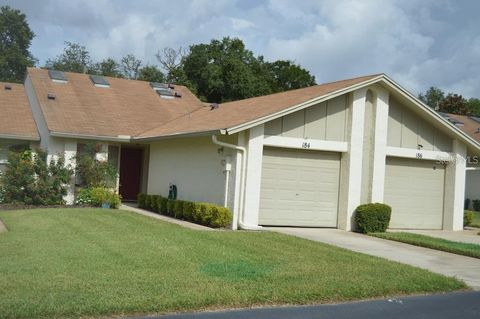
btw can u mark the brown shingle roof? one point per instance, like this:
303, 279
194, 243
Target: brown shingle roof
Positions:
16, 119
244, 111
127, 107
470, 126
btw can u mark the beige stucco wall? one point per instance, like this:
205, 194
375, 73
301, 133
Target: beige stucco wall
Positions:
407, 130
324, 121
195, 165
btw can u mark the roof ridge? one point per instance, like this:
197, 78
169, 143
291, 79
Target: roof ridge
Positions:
305, 88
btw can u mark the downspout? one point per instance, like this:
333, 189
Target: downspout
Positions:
241, 224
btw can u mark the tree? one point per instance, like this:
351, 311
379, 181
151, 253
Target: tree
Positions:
432, 97
151, 73
453, 103
15, 40
473, 106
225, 70
171, 61
108, 67
130, 66
75, 58
286, 75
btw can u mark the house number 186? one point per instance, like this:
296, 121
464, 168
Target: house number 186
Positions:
305, 145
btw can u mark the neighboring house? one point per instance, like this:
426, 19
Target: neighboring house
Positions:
305, 157
471, 126
17, 127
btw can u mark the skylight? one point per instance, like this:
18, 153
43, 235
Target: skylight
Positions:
475, 118
167, 93
99, 81
157, 85
57, 76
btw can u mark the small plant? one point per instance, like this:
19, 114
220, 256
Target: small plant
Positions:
93, 172
372, 218
141, 200
98, 197
467, 218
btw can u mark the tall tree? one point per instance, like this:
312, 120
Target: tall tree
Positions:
151, 73
15, 40
432, 97
225, 70
107, 67
286, 75
171, 61
473, 106
75, 58
453, 103
130, 66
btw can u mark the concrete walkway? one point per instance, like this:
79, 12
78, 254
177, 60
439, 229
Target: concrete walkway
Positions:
134, 209
462, 267
469, 235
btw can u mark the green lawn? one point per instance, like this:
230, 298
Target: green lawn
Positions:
476, 220
459, 248
92, 262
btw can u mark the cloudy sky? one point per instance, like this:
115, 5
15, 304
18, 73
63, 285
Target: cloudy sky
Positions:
418, 43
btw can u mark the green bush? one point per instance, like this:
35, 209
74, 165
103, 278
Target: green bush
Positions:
201, 213
141, 200
28, 179
98, 196
156, 203
93, 172
476, 205
178, 209
467, 218
372, 218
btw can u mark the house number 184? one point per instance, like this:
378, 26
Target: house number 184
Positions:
305, 145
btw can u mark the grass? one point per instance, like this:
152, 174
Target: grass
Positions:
466, 249
58, 263
476, 220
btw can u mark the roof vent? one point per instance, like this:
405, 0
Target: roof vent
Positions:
8, 87
99, 81
51, 96
178, 94
171, 86
57, 76
214, 106
478, 130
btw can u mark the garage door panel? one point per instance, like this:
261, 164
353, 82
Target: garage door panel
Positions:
415, 190
299, 188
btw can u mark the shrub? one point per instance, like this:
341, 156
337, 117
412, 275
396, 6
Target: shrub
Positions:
141, 200
467, 218
28, 179
93, 172
188, 209
178, 209
170, 207
100, 196
83, 197
466, 204
148, 202
220, 217
163, 205
476, 205
155, 203
372, 218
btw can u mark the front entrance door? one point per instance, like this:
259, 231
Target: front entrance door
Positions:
130, 172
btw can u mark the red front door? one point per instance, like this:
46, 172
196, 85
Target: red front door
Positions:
130, 172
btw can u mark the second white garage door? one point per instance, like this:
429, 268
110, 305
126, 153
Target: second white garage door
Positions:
299, 188
415, 191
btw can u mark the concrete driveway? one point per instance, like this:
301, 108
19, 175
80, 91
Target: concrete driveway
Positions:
462, 267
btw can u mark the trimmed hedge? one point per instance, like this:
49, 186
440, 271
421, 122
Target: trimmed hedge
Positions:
201, 213
372, 218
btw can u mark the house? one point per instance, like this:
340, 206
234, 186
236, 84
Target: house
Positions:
471, 126
305, 157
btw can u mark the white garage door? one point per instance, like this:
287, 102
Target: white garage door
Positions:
299, 188
415, 191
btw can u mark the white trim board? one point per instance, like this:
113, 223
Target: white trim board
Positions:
419, 154
305, 144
